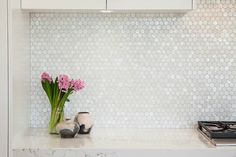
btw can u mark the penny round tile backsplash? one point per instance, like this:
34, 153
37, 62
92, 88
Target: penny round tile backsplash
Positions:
142, 70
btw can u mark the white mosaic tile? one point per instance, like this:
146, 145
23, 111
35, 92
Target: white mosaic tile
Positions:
142, 70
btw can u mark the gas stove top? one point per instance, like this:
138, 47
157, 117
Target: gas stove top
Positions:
219, 133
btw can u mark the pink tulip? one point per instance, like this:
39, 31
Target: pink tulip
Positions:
64, 82
46, 77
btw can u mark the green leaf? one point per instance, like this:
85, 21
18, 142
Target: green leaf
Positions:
64, 98
55, 92
49, 91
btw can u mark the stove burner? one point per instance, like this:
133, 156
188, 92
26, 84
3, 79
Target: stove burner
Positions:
218, 129
220, 126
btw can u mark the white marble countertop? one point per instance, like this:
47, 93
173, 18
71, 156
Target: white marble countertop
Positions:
120, 139
116, 139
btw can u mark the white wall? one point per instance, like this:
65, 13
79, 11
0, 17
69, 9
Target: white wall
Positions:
19, 69
3, 80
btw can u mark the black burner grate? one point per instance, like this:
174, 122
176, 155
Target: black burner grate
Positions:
218, 129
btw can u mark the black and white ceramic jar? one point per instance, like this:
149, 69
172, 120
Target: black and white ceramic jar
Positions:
67, 129
84, 121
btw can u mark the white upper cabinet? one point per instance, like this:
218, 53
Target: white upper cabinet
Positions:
168, 5
64, 4
150, 4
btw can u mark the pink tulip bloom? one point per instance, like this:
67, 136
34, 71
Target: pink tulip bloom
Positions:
77, 84
64, 82
46, 77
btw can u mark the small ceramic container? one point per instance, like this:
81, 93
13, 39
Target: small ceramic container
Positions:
84, 121
67, 129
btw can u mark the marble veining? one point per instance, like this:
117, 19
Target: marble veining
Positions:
118, 143
61, 153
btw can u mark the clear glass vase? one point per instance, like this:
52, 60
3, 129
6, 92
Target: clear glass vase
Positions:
57, 116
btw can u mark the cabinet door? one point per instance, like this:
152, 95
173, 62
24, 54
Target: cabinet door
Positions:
149, 4
64, 4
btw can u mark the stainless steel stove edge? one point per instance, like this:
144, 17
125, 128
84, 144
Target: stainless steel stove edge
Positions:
218, 142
